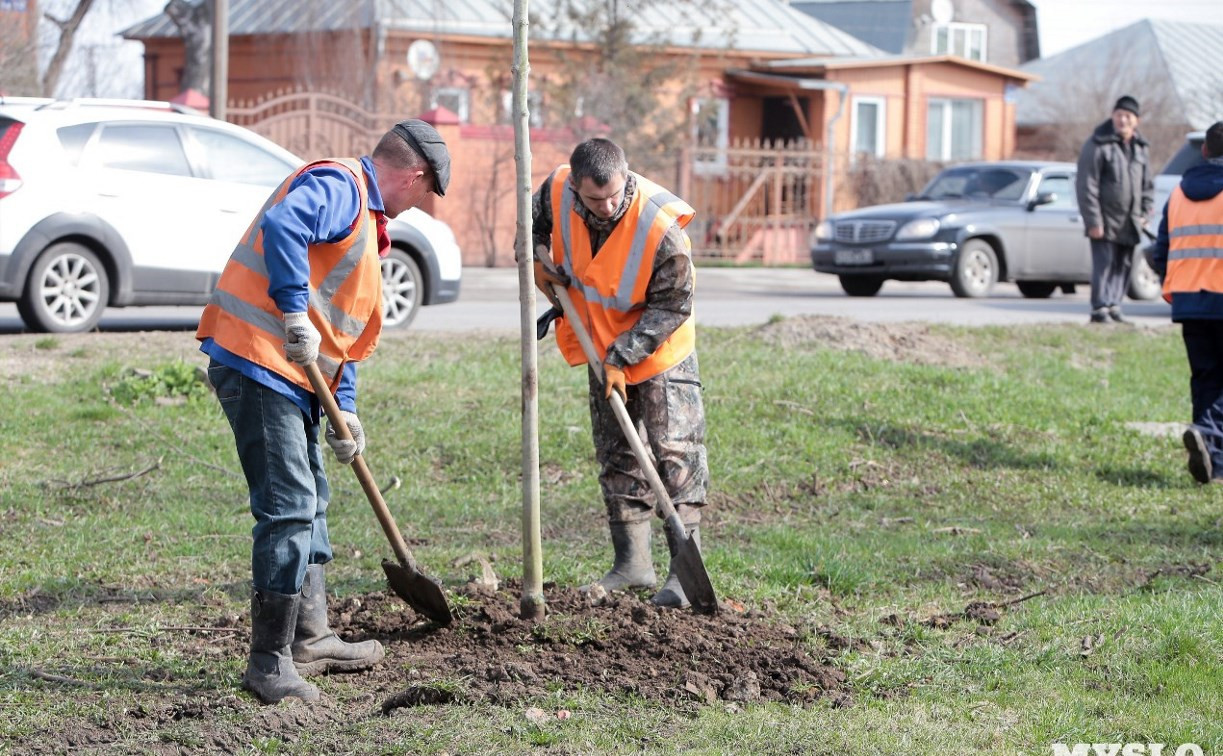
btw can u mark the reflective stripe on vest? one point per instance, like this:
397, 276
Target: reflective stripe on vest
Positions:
345, 294
609, 289
1195, 245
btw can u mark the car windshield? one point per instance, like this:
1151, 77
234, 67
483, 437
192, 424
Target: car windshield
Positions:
979, 182
1189, 155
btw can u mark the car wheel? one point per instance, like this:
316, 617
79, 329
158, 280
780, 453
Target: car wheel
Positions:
976, 270
861, 286
1036, 289
1144, 282
66, 291
403, 287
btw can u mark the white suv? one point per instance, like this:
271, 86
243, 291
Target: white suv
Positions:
125, 202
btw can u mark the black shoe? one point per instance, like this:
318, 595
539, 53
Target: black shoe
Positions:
1099, 316
1115, 314
1199, 455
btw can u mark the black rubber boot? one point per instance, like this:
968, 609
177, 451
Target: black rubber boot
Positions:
634, 565
316, 649
671, 595
270, 673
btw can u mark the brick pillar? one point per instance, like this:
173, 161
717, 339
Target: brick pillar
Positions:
447, 208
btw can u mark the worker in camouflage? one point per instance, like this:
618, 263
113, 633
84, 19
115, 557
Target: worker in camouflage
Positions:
667, 406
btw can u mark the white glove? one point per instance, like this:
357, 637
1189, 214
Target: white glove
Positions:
301, 338
347, 449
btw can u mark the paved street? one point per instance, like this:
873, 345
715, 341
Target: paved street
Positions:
725, 296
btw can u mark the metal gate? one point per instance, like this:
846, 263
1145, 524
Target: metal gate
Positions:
312, 124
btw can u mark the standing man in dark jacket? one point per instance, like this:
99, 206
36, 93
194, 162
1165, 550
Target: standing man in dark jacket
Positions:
1188, 253
1116, 195
618, 243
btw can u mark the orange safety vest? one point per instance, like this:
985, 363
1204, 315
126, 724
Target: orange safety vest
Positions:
345, 294
1195, 245
609, 289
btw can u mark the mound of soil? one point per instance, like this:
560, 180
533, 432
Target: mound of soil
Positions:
625, 645
901, 342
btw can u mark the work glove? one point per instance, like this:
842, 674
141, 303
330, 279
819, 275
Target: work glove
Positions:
347, 449
547, 276
301, 338
543, 322
613, 378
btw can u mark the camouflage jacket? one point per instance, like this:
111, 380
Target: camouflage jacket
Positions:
668, 299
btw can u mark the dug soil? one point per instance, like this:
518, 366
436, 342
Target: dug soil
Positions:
621, 646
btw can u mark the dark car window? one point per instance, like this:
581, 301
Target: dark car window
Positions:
143, 147
1189, 155
233, 159
985, 183
1062, 187
73, 138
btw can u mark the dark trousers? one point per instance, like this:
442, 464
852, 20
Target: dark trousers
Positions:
1110, 272
1204, 347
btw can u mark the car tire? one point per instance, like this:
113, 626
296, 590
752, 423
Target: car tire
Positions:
1036, 289
861, 286
403, 289
66, 291
976, 270
1144, 282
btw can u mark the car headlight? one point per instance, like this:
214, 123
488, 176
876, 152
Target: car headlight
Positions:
922, 228
823, 230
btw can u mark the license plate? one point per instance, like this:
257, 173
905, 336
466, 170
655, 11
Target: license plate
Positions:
853, 257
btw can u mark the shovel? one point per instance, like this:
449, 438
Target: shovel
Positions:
423, 593
687, 562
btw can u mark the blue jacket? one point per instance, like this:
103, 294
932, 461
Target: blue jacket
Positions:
320, 207
1201, 182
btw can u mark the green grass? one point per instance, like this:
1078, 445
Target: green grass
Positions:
865, 495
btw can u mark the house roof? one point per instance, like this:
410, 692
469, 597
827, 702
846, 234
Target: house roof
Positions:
763, 26
823, 65
882, 23
1180, 55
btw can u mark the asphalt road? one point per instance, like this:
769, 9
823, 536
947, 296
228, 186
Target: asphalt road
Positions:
725, 296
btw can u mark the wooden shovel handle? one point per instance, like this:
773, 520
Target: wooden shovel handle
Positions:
398, 545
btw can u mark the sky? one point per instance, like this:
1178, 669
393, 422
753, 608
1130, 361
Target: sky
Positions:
1066, 23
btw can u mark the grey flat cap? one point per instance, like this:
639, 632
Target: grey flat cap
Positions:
427, 143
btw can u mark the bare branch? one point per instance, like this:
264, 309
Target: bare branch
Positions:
67, 35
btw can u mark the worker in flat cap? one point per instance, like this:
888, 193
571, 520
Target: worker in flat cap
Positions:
1116, 193
303, 286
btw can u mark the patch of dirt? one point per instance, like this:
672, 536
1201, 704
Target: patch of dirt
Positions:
625, 645
487, 655
901, 342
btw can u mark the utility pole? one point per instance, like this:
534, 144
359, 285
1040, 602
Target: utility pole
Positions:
220, 59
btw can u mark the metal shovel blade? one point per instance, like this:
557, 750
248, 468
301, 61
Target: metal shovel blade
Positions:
422, 592
690, 569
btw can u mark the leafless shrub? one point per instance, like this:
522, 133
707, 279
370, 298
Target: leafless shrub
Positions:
872, 181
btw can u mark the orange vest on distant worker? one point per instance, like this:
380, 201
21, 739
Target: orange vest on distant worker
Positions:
1195, 245
345, 294
609, 289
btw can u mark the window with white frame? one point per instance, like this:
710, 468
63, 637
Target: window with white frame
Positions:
455, 99
869, 126
954, 38
710, 134
535, 108
953, 129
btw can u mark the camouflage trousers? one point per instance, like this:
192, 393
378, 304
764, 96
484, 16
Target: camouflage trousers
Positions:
668, 410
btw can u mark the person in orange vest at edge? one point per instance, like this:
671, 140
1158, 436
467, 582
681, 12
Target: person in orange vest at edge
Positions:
304, 285
1188, 254
618, 244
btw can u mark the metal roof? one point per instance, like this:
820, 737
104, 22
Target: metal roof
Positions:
882, 23
763, 26
1184, 56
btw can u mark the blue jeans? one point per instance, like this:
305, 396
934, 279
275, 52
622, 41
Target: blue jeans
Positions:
279, 450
